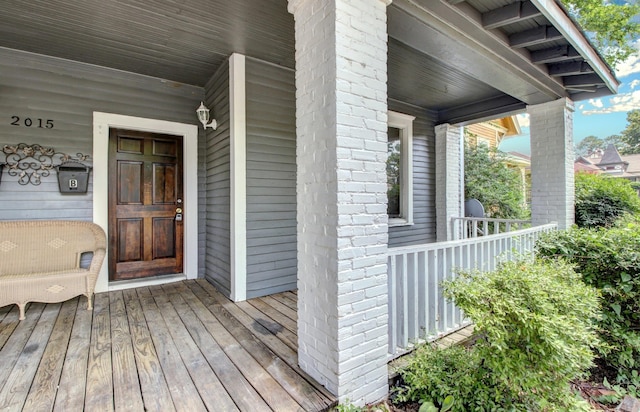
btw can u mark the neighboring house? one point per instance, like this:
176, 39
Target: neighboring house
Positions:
290, 190
611, 163
584, 164
491, 132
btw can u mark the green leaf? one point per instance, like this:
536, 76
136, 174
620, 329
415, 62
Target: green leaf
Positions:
428, 407
616, 308
447, 404
625, 277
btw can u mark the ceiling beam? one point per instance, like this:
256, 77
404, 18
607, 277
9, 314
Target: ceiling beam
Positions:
520, 10
578, 82
555, 54
480, 111
590, 94
570, 68
539, 35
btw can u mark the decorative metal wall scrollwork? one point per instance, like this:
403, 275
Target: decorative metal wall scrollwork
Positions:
33, 162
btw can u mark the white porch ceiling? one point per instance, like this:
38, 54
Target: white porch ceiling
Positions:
462, 59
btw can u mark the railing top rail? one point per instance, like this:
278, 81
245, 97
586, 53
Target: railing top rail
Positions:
463, 242
488, 219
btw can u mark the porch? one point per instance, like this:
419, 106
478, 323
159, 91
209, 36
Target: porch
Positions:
181, 346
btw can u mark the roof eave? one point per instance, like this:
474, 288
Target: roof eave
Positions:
555, 13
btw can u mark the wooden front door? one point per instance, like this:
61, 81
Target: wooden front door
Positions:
145, 204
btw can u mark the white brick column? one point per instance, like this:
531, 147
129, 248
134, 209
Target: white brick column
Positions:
341, 126
449, 179
552, 156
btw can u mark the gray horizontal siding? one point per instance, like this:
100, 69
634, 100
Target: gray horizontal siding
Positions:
424, 185
217, 194
271, 179
68, 93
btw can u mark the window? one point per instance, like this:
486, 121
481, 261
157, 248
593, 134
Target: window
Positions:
399, 169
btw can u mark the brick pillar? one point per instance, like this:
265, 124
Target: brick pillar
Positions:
341, 126
449, 179
552, 156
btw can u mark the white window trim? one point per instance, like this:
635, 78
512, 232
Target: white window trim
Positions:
404, 123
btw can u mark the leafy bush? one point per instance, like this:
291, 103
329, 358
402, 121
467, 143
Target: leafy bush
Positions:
496, 186
535, 322
600, 200
608, 259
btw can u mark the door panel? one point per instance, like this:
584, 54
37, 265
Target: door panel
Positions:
145, 192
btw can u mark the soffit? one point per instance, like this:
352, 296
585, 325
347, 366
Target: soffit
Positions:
184, 41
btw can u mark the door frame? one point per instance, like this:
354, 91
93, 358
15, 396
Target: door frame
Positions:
102, 122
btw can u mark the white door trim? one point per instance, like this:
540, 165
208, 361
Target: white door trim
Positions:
102, 122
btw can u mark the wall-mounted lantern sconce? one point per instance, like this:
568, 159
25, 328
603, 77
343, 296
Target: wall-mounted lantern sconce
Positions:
1, 170
203, 115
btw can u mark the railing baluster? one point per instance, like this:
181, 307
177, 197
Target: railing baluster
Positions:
393, 302
405, 303
417, 308
415, 325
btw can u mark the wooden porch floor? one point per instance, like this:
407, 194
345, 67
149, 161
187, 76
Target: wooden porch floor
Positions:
182, 347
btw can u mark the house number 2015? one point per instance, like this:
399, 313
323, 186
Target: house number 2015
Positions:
29, 122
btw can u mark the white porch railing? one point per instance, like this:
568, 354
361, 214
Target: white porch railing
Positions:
417, 310
469, 227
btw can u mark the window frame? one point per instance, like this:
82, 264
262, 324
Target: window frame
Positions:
404, 123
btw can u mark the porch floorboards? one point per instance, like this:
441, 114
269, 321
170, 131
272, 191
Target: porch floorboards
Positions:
181, 347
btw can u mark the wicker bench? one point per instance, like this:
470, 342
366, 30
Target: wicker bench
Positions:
40, 261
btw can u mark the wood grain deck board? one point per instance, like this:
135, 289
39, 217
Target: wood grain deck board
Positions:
299, 389
99, 391
284, 334
15, 345
211, 390
274, 314
183, 391
153, 386
126, 387
201, 328
14, 393
8, 324
4, 310
288, 299
270, 390
71, 389
280, 307
42, 393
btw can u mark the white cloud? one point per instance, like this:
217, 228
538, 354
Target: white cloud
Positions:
581, 107
631, 65
523, 120
596, 103
634, 83
620, 103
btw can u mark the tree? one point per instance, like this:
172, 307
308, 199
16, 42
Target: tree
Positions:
614, 139
611, 25
493, 183
631, 135
588, 145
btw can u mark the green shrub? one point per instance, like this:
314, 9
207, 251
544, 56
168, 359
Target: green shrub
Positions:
608, 259
600, 200
494, 184
535, 322
433, 374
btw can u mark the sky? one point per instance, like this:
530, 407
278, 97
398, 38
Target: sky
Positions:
600, 117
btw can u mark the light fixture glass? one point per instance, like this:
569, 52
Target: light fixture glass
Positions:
203, 116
